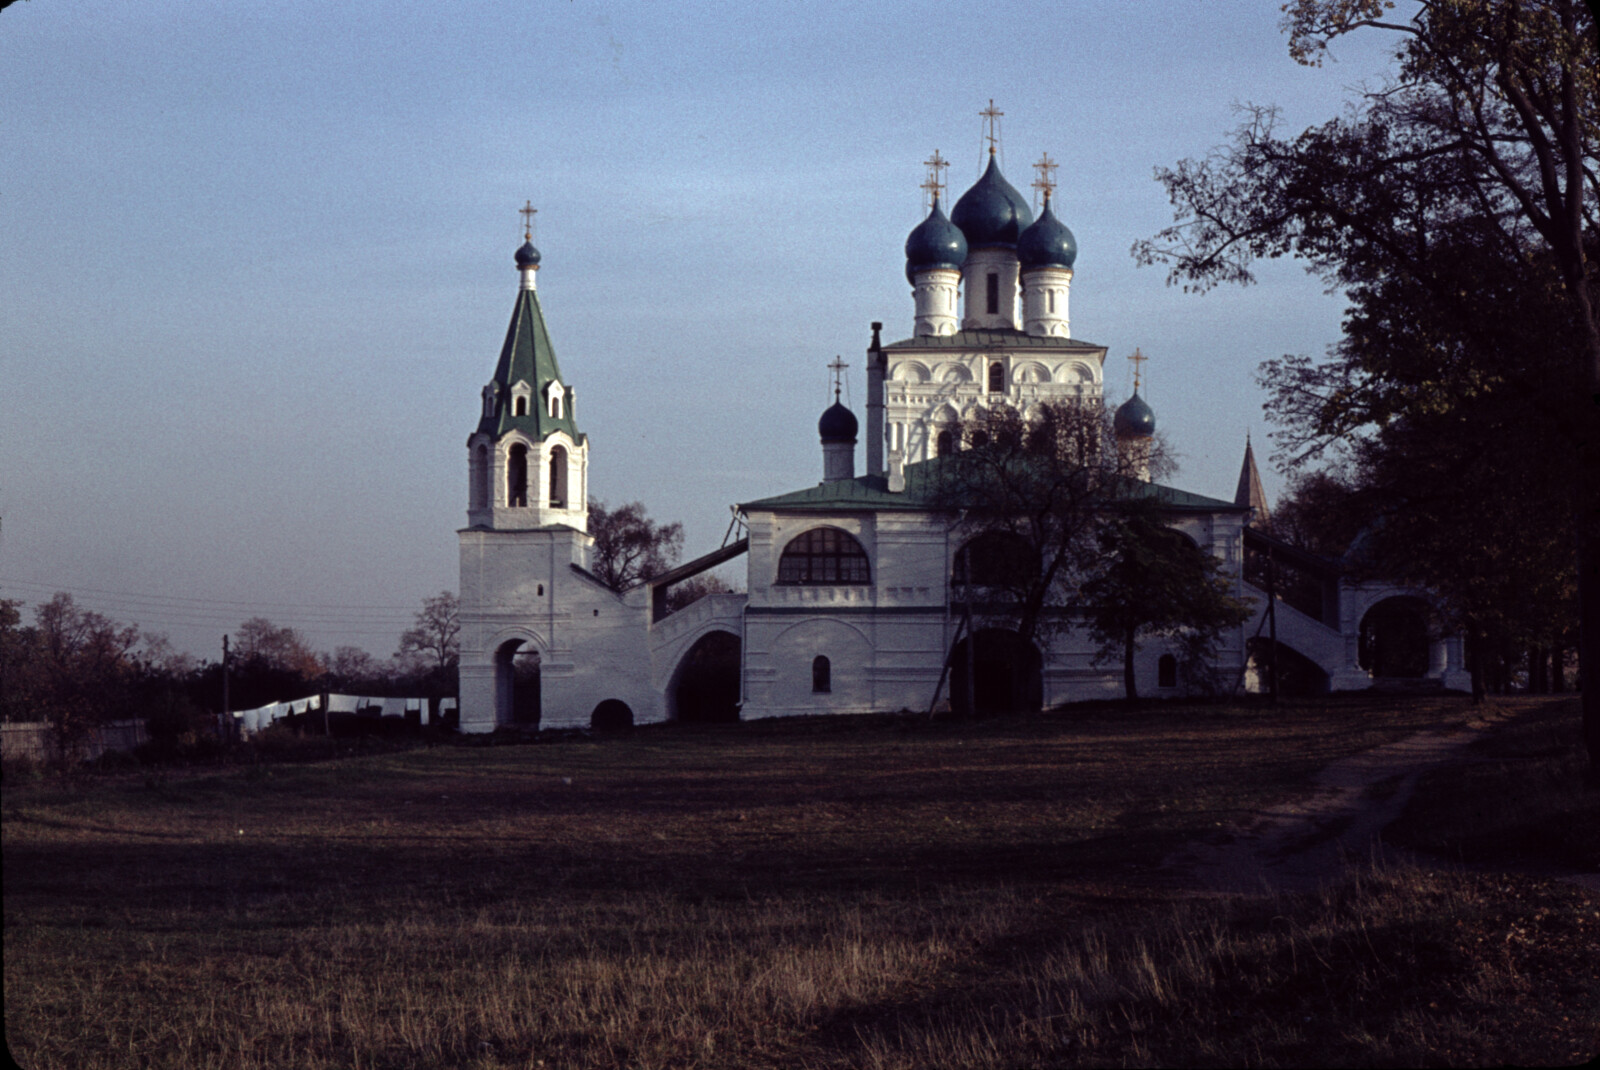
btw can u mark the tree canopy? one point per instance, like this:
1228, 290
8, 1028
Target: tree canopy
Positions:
629, 547
1458, 206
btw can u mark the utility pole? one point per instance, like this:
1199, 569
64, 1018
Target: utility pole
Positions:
227, 708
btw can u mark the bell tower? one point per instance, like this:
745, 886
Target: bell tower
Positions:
527, 462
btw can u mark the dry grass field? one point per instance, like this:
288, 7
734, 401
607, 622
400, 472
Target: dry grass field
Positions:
866, 892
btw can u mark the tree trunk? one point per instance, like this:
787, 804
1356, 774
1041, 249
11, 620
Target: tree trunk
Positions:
1475, 655
1558, 670
1128, 681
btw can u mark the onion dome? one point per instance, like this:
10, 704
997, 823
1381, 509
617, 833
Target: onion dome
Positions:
527, 256
992, 212
1134, 419
838, 424
1048, 243
935, 243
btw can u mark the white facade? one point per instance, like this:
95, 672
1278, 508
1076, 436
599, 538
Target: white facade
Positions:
544, 642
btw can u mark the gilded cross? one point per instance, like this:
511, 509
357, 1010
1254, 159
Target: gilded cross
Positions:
1137, 360
1046, 182
991, 118
935, 165
527, 211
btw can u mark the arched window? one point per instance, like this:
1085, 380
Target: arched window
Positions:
521, 408
821, 675
997, 378
1052, 297
995, 559
558, 478
824, 556
1167, 671
480, 477
945, 445
555, 395
980, 439
993, 294
517, 476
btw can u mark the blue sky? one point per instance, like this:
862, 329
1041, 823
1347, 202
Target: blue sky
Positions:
258, 260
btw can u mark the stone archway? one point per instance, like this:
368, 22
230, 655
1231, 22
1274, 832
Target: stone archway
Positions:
1007, 674
1394, 641
705, 689
516, 684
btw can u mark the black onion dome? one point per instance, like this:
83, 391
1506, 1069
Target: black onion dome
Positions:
992, 212
1134, 419
527, 256
935, 243
1048, 243
838, 424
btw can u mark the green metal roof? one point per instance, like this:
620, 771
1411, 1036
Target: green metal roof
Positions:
871, 494
1001, 338
528, 356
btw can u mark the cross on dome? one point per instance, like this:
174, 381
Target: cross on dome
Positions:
837, 367
1137, 359
936, 165
1046, 182
527, 212
991, 120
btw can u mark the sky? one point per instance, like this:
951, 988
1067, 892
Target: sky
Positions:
257, 260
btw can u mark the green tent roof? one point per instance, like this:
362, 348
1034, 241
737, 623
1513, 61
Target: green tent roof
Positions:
528, 356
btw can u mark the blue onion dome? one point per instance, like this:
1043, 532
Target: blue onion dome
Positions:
935, 243
1048, 243
992, 212
527, 256
838, 424
1134, 419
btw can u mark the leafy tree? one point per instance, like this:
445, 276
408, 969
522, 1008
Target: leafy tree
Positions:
695, 588
1480, 151
433, 642
629, 547
82, 670
1155, 582
1030, 496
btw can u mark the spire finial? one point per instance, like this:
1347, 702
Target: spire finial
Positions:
527, 211
991, 121
1137, 359
936, 165
1046, 182
837, 367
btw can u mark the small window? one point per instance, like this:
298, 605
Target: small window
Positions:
945, 445
555, 394
994, 294
997, 378
821, 675
1167, 671
521, 407
1052, 297
824, 556
980, 439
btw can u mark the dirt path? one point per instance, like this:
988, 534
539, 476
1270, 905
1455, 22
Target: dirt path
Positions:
1297, 846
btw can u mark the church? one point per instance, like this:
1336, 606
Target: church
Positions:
851, 585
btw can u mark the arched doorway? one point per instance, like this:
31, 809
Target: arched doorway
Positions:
1006, 674
705, 689
1394, 639
516, 684
612, 715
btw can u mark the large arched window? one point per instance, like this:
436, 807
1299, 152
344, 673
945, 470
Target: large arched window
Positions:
517, 476
995, 559
997, 378
558, 478
824, 556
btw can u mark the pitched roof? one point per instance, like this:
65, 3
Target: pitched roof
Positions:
871, 494
527, 356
